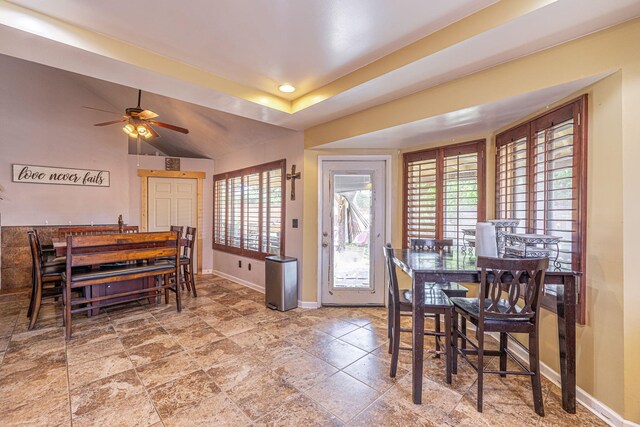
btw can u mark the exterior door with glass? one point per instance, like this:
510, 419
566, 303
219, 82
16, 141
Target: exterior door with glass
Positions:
353, 232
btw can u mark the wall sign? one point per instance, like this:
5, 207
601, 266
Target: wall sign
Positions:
64, 176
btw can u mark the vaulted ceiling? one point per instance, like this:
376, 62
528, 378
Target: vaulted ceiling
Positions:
342, 56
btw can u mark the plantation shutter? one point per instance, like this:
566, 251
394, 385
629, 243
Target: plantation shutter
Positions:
546, 187
220, 212
511, 176
555, 207
235, 211
272, 211
461, 191
249, 211
420, 193
443, 192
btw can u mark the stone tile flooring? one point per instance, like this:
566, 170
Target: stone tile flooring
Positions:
227, 360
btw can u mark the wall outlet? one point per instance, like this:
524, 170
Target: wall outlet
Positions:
249, 266
294, 223
239, 264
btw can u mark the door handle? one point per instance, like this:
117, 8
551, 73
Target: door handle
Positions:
325, 244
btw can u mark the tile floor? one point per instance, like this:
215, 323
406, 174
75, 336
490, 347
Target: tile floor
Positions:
226, 360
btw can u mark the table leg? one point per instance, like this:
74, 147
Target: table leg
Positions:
566, 307
418, 339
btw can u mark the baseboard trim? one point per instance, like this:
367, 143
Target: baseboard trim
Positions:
308, 304
240, 281
598, 408
207, 271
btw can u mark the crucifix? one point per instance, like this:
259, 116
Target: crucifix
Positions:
293, 176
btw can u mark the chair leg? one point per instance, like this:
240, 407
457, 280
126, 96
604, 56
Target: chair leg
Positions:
33, 291
396, 343
534, 366
454, 341
390, 327
437, 321
463, 328
192, 279
37, 301
184, 271
67, 310
503, 353
178, 296
447, 344
480, 368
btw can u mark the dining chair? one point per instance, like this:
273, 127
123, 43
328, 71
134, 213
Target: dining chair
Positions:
450, 288
186, 261
177, 228
46, 279
507, 303
401, 304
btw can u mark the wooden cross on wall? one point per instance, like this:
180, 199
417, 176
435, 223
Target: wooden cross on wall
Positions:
293, 176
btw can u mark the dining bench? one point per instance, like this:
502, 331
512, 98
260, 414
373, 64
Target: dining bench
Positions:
116, 259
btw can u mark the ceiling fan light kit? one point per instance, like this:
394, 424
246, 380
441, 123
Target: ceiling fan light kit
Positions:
139, 122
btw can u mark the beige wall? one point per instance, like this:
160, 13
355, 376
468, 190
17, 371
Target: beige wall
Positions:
608, 345
42, 123
291, 149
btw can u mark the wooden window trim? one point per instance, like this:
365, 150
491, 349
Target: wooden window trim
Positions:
265, 167
576, 108
439, 153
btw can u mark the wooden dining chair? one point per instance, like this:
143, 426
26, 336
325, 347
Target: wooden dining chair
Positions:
46, 279
186, 261
504, 283
441, 246
400, 304
178, 229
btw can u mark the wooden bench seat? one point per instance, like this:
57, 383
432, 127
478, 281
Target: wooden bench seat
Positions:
123, 257
115, 274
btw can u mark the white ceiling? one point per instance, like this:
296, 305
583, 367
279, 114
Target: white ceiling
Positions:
460, 125
309, 43
262, 43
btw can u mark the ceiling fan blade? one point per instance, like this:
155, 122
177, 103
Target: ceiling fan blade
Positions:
153, 133
147, 114
104, 111
168, 126
110, 123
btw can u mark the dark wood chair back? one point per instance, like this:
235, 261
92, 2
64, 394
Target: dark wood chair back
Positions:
392, 278
36, 254
515, 278
432, 245
190, 237
178, 229
95, 230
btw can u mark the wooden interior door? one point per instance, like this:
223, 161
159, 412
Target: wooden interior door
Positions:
172, 201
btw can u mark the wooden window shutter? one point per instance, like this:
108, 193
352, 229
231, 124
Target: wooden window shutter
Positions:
511, 176
220, 212
420, 197
463, 187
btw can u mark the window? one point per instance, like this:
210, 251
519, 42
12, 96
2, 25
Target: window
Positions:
248, 210
443, 192
541, 179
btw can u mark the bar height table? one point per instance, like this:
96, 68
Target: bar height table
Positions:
559, 296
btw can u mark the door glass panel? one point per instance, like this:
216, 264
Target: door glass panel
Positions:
352, 223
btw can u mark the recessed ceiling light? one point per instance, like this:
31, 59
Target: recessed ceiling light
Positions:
286, 88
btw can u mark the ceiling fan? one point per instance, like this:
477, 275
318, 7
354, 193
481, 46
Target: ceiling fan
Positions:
139, 122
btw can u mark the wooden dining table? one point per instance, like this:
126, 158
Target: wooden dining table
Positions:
60, 247
559, 296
